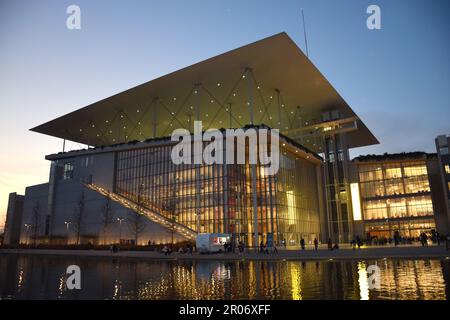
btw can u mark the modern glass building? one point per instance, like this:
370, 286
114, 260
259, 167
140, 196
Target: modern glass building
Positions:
400, 192
269, 83
218, 198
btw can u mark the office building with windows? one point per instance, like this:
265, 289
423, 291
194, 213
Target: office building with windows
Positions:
124, 178
398, 192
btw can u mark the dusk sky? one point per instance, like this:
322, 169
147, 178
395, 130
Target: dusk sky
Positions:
396, 79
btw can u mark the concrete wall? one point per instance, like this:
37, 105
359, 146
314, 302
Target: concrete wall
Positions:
13, 219
437, 196
34, 213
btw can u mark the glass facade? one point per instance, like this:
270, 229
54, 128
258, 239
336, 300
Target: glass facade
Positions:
219, 197
396, 196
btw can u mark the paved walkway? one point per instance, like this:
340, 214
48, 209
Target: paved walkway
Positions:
401, 252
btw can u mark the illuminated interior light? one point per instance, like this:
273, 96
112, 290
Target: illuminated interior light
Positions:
291, 206
356, 203
218, 84
81, 130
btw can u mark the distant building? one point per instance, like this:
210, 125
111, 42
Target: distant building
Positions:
442, 146
398, 192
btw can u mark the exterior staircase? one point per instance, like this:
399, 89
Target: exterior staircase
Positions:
153, 215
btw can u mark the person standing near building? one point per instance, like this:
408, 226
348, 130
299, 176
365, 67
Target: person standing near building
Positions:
316, 244
302, 243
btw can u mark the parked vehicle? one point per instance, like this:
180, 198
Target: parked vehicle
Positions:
212, 242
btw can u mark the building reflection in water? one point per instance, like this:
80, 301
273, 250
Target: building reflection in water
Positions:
40, 277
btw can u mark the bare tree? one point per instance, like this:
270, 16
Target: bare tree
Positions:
36, 221
136, 220
107, 216
78, 218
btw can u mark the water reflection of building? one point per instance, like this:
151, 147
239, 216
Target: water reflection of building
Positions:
400, 192
35, 277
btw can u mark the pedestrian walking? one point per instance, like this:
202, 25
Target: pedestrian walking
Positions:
302, 243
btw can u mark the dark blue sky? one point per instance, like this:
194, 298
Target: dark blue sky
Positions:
396, 79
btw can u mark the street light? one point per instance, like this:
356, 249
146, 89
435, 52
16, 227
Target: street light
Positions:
120, 228
28, 226
67, 223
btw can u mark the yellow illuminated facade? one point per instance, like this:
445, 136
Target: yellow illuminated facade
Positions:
218, 198
396, 196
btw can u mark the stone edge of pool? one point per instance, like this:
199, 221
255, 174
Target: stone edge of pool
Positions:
292, 255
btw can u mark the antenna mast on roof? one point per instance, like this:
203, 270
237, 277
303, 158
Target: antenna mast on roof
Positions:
304, 33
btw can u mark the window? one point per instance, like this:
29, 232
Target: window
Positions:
375, 210
417, 170
393, 173
68, 171
447, 168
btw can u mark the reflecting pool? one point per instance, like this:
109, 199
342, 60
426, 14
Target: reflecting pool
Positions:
44, 277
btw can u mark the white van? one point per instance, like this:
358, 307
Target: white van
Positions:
212, 242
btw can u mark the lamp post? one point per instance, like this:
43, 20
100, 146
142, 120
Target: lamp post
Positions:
120, 228
67, 223
27, 226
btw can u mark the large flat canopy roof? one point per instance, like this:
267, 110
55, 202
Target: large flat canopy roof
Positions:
272, 77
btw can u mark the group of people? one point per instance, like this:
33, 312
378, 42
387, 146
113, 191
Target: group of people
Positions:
423, 238
264, 248
356, 242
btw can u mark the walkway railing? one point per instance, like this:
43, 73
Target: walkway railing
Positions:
150, 214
